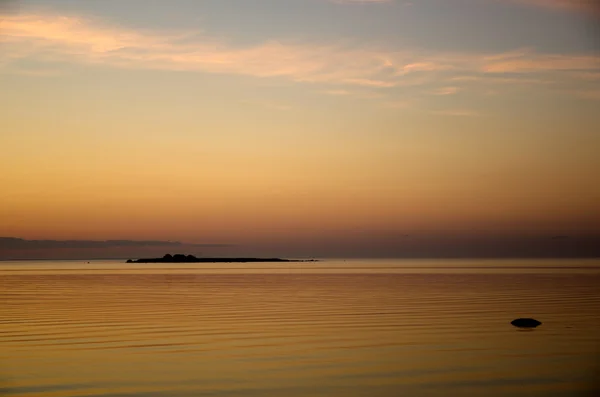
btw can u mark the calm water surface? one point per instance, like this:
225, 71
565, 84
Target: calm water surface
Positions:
333, 328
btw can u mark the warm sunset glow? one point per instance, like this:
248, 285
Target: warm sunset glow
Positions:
205, 125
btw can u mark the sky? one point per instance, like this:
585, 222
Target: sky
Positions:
303, 127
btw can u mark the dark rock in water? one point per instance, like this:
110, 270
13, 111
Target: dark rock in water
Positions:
525, 323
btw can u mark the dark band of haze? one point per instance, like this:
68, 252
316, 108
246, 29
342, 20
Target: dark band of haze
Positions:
361, 246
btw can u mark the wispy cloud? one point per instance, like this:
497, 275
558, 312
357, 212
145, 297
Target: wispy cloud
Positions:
56, 39
589, 76
355, 93
360, 1
531, 62
590, 7
457, 113
466, 78
498, 78
446, 91
424, 67
338, 92
73, 39
19, 243
589, 94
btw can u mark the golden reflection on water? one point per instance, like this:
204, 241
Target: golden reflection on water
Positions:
160, 332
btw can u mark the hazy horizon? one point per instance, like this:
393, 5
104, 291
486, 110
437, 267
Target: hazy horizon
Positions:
409, 247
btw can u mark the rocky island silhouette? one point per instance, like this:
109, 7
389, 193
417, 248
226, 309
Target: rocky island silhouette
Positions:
181, 258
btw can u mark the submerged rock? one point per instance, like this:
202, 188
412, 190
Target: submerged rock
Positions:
525, 323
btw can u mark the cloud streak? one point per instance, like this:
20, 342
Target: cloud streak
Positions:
588, 7
18, 243
72, 39
526, 61
457, 113
360, 1
59, 39
446, 91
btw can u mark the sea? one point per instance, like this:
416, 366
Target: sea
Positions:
337, 327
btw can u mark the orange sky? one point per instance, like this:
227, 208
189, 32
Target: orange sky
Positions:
154, 128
